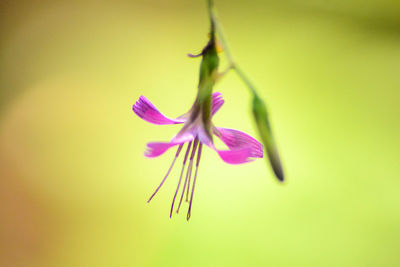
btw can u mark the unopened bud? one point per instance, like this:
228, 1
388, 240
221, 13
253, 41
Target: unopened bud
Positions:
264, 129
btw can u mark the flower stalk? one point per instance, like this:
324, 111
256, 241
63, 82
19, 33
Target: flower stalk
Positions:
259, 108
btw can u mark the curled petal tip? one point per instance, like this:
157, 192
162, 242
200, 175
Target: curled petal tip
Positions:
194, 56
217, 102
240, 141
144, 109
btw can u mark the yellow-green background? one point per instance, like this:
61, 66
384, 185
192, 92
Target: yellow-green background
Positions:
73, 178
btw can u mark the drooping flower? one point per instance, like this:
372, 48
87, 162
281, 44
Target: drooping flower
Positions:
198, 129
195, 132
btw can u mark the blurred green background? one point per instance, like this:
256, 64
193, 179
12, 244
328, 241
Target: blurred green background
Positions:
73, 178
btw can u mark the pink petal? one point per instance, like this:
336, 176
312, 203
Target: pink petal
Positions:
156, 149
217, 102
204, 138
236, 140
238, 156
183, 137
148, 112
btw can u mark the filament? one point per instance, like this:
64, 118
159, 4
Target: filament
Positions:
180, 177
169, 170
189, 170
194, 182
196, 141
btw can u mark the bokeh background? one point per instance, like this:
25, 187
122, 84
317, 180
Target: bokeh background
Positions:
73, 179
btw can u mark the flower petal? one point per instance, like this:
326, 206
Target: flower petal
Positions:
235, 140
148, 112
217, 102
156, 149
237, 156
242, 147
204, 137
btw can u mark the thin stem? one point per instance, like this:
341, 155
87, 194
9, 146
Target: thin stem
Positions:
244, 78
223, 73
210, 6
228, 54
221, 35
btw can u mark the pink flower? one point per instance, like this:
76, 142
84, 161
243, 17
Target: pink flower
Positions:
242, 148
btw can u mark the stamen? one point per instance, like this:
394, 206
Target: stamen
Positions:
189, 175
194, 182
169, 170
189, 170
180, 178
196, 141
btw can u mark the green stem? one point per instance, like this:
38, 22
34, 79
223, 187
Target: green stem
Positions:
259, 108
227, 51
221, 35
244, 78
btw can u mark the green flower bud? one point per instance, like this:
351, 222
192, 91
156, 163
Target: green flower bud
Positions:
261, 117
